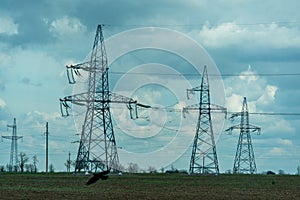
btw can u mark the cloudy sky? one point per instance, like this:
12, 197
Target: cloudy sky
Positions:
243, 38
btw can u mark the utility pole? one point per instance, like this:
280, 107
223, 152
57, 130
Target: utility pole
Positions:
46, 134
244, 162
14, 146
69, 163
97, 145
204, 158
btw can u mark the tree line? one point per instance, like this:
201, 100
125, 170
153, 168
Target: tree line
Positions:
23, 165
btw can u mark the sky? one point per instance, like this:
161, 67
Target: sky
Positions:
237, 39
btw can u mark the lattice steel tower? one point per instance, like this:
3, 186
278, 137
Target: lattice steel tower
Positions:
244, 162
204, 154
13, 161
97, 147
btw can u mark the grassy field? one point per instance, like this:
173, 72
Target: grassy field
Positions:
149, 186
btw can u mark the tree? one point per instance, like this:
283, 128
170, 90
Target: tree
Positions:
133, 168
51, 168
23, 161
16, 168
281, 172
298, 170
9, 168
151, 169
120, 168
29, 168
68, 164
35, 161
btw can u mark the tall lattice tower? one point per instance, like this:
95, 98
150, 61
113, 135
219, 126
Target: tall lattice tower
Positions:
244, 162
97, 146
204, 154
13, 162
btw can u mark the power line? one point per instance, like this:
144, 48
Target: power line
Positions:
212, 75
202, 24
274, 113
167, 109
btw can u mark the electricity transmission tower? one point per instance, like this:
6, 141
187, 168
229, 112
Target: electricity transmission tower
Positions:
14, 146
97, 145
204, 155
244, 162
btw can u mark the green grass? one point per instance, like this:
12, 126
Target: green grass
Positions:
149, 186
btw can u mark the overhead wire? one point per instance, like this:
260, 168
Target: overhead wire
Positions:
168, 109
178, 110
212, 75
202, 24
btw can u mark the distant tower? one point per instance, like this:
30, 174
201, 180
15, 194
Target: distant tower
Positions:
204, 154
97, 145
244, 162
13, 162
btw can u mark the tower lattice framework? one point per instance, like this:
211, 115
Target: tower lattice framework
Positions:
244, 162
13, 161
204, 154
97, 145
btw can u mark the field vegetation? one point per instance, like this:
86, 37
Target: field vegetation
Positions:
148, 186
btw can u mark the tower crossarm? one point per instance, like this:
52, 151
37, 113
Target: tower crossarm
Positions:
192, 91
75, 70
82, 99
211, 107
12, 137
117, 98
251, 128
237, 114
230, 129
132, 104
77, 99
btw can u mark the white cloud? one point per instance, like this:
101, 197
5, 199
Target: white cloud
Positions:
276, 151
284, 142
66, 26
268, 96
271, 35
38, 119
4, 59
180, 105
8, 26
256, 89
247, 84
248, 75
276, 125
43, 116
261, 98
2, 103
234, 102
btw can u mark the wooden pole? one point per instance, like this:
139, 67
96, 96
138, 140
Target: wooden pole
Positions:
47, 147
